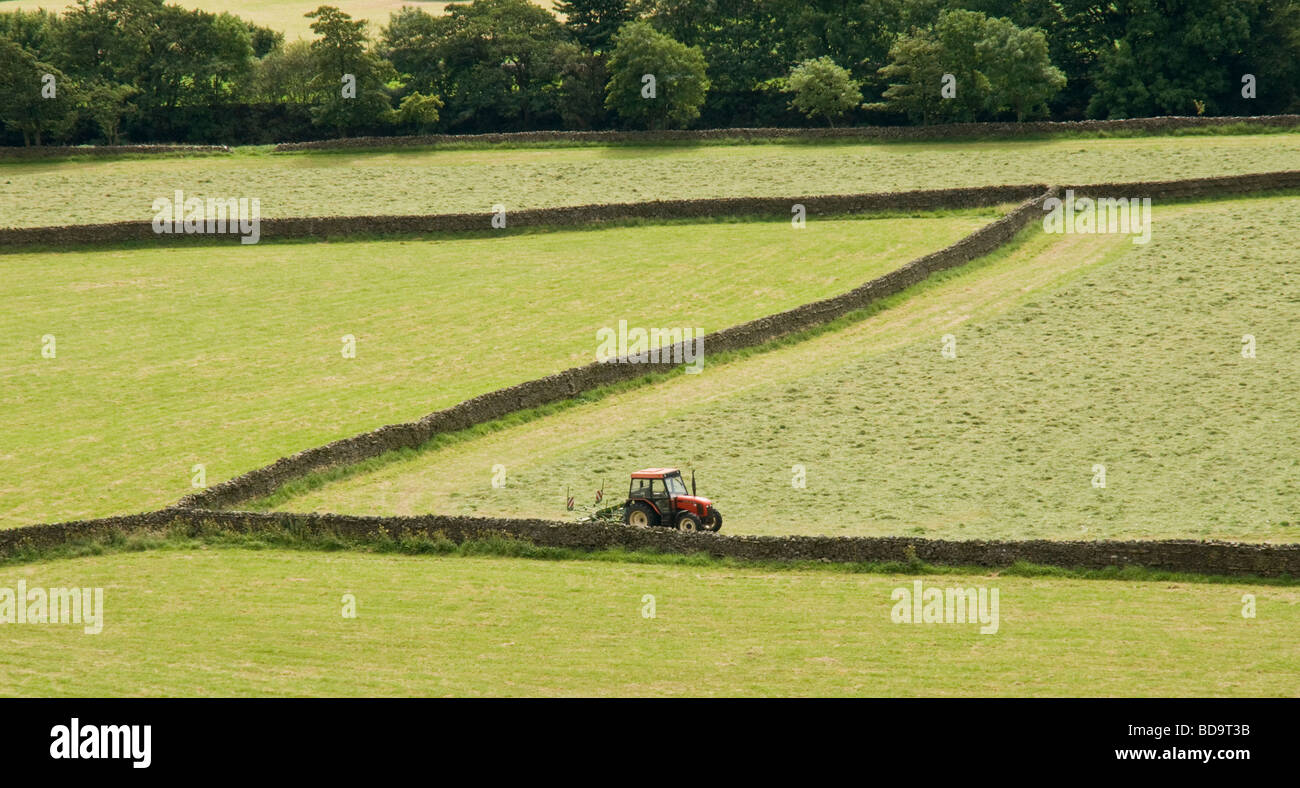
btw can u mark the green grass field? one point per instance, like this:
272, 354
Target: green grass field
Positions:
422, 181
234, 622
230, 356
1072, 351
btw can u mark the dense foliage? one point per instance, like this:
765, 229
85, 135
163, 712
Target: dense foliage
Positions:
140, 70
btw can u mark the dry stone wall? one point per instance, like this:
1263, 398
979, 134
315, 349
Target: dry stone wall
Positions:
567, 216
67, 236
866, 133
60, 151
1211, 558
1174, 555
553, 388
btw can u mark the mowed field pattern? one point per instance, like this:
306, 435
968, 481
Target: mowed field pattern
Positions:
1072, 352
36, 193
221, 622
231, 356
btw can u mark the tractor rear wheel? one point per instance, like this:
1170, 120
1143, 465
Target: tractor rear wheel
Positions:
713, 522
639, 515
688, 522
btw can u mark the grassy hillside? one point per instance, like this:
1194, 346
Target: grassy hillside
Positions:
1072, 351
228, 622
418, 182
231, 356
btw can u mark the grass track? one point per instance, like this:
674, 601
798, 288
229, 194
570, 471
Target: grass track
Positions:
1073, 350
239, 622
230, 356
38, 193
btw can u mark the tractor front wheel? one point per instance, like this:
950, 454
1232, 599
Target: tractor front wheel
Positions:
688, 522
713, 522
638, 515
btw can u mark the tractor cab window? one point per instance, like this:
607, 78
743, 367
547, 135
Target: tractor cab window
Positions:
642, 488
675, 485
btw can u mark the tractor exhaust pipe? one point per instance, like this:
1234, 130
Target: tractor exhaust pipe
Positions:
692, 481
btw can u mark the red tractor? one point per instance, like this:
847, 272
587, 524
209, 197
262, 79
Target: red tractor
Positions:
657, 496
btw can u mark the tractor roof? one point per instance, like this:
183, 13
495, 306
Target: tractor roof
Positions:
654, 473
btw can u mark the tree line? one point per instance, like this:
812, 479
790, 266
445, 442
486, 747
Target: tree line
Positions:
111, 71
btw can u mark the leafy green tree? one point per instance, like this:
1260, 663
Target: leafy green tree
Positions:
856, 34
26, 103
580, 92
350, 85
35, 31
1077, 32
750, 45
990, 65
1273, 57
154, 70
285, 75
186, 65
745, 46
915, 73
820, 87
418, 113
1173, 58
410, 41
264, 39
196, 59
1021, 75
594, 22
655, 81
497, 63
110, 40
108, 105
959, 34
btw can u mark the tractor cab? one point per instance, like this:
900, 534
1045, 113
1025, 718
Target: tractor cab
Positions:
658, 497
